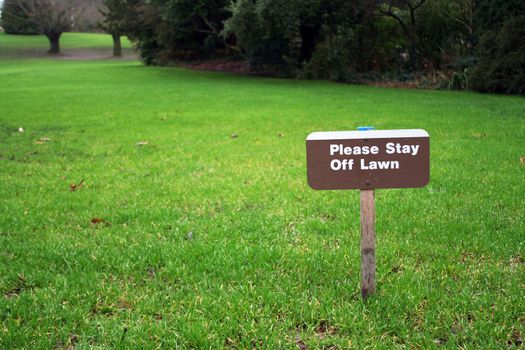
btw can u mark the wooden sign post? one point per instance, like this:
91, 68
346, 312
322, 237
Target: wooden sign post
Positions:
368, 243
366, 160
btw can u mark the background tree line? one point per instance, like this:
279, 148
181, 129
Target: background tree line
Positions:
476, 44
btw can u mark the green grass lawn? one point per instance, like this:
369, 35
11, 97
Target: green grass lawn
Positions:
269, 262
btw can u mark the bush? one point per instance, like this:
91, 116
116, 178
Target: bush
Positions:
168, 30
332, 58
314, 38
501, 67
14, 19
268, 32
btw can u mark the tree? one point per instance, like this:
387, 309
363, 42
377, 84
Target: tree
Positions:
51, 17
167, 30
315, 38
14, 20
117, 17
191, 29
90, 17
501, 67
268, 32
490, 15
404, 12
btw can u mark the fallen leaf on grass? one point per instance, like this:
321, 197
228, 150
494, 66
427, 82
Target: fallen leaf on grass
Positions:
151, 272
13, 292
73, 187
396, 269
234, 136
515, 339
479, 135
42, 140
300, 344
141, 143
522, 160
73, 339
456, 328
324, 329
96, 221
515, 261
124, 304
101, 307
440, 341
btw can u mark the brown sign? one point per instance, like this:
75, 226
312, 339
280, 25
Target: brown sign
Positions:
344, 160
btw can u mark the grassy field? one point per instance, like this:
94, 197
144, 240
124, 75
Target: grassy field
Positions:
201, 240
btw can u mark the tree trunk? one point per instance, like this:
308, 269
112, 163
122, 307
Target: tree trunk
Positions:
413, 40
54, 43
117, 46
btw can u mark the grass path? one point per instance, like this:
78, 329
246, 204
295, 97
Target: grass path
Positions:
269, 263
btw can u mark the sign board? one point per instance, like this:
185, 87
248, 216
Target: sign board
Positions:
343, 160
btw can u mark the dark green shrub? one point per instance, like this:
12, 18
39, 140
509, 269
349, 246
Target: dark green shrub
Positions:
458, 81
268, 32
332, 58
313, 38
501, 67
168, 30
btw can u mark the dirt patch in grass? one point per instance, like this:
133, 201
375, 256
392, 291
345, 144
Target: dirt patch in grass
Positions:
238, 67
95, 54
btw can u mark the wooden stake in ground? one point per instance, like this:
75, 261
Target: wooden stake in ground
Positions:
368, 243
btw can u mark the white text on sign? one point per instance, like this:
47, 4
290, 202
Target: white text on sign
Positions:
390, 148
348, 164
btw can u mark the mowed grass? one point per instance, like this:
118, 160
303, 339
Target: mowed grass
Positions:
201, 240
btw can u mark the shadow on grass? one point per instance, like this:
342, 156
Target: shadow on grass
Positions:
89, 53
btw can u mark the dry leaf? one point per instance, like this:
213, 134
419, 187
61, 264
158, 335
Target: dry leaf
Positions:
479, 135
324, 329
141, 143
234, 136
42, 140
73, 187
456, 328
522, 160
300, 344
96, 221
13, 292
516, 338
